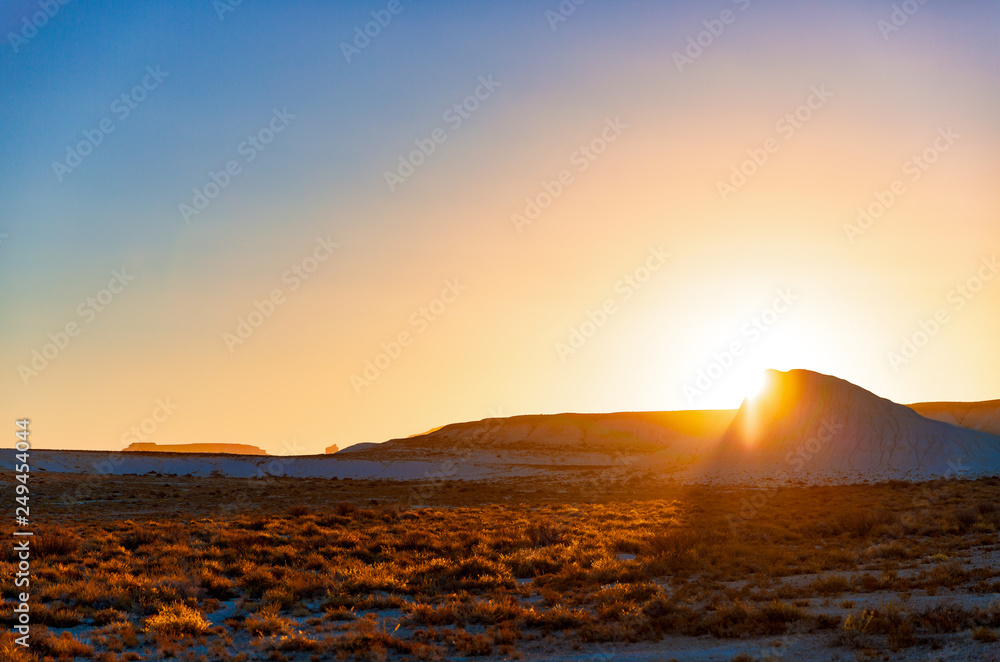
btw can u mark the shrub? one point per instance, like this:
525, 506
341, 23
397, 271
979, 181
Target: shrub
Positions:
339, 614
370, 578
115, 636
891, 550
56, 542
966, 517
138, 537
826, 621
472, 644
216, 585
344, 508
626, 593
674, 543
832, 585
294, 643
57, 616
267, 622
256, 523
557, 618
546, 533
255, 579
945, 618
177, 619
491, 612
985, 635
413, 540
739, 619
856, 627
421, 614
987, 507
862, 522
887, 620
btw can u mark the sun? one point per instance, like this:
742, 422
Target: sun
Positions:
754, 385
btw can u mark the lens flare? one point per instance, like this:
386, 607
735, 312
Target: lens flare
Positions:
755, 386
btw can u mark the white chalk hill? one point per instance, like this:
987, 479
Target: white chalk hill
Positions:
819, 428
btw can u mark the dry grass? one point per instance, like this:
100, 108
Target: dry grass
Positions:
13, 652
316, 567
899, 625
63, 646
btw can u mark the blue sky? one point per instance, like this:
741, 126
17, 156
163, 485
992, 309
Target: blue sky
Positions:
324, 175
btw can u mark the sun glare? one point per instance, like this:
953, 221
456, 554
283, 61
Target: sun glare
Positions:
754, 385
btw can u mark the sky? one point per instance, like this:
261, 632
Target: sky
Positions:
302, 224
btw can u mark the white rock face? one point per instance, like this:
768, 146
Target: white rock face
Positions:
819, 428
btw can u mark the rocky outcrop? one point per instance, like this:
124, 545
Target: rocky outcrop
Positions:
807, 423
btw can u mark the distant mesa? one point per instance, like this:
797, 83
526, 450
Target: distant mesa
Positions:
215, 449
330, 450
981, 416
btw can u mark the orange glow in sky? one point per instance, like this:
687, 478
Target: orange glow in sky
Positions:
481, 215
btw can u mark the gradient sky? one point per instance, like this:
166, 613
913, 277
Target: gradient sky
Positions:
495, 348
